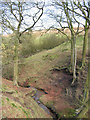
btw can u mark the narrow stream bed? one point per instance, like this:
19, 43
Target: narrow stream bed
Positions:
36, 97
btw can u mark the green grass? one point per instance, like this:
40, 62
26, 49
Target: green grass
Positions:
67, 113
24, 111
43, 61
7, 99
14, 109
49, 57
39, 65
14, 105
2, 102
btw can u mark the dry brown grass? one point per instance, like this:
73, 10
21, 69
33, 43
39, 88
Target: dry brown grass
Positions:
41, 32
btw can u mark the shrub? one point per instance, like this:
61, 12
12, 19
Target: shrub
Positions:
7, 71
28, 46
49, 41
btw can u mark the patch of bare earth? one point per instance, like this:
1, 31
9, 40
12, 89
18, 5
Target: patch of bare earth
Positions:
56, 90
16, 99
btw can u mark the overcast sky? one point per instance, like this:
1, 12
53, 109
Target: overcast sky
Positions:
46, 21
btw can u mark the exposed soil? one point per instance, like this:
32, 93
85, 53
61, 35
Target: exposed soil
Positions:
53, 85
60, 81
55, 91
22, 95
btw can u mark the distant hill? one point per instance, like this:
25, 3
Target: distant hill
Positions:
41, 32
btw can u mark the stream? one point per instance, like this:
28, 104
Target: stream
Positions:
38, 94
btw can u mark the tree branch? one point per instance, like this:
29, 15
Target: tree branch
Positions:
34, 22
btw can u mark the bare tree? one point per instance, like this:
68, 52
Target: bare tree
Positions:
19, 17
83, 110
85, 12
67, 16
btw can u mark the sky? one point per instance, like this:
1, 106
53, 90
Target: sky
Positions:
46, 21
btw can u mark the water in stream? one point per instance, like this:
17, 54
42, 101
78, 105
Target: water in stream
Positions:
36, 97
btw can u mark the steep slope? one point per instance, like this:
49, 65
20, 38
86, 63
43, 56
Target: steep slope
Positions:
48, 72
15, 103
37, 68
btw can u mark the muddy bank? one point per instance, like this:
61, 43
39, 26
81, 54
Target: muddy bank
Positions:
36, 97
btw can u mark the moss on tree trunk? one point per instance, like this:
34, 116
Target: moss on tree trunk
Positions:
15, 82
85, 45
71, 54
86, 101
73, 58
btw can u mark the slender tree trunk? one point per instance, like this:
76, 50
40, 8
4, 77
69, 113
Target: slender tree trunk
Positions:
84, 111
86, 101
85, 45
71, 54
74, 59
15, 82
87, 85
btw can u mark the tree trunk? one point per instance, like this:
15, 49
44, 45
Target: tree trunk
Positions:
15, 82
74, 59
86, 101
85, 45
87, 85
71, 54
84, 111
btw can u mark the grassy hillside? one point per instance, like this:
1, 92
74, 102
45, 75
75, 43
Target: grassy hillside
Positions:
40, 64
16, 103
47, 69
